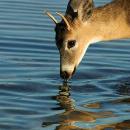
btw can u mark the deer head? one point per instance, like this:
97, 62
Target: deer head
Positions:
73, 35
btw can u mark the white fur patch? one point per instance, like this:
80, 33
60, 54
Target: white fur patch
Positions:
68, 68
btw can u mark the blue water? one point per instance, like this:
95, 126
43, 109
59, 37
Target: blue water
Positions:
32, 95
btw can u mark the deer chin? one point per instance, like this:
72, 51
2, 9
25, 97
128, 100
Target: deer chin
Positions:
68, 68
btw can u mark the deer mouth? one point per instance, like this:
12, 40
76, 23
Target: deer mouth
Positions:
67, 75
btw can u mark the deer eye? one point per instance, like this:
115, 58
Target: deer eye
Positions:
71, 43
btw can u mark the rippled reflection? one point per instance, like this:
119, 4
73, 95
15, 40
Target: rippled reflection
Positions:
67, 120
124, 89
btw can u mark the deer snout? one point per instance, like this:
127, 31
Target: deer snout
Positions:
67, 73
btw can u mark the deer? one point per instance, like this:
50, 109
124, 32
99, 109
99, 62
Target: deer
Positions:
84, 24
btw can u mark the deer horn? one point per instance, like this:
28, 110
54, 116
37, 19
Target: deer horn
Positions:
65, 20
51, 17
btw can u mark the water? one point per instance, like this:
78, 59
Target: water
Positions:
32, 96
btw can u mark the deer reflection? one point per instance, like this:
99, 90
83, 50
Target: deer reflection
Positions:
64, 98
71, 114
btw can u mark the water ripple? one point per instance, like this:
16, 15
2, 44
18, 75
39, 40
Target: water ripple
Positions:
32, 96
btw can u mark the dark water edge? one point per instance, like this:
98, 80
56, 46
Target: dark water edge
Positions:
32, 95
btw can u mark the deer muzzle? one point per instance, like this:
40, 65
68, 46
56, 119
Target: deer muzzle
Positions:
67, 72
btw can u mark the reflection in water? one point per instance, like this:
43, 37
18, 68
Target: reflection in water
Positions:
71, 115
124, 89
64, 98
67, 120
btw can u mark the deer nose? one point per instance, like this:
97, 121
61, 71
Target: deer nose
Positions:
65, 75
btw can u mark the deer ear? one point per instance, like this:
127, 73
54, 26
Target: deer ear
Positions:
81, 9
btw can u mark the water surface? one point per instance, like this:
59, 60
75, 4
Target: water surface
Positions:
32, 95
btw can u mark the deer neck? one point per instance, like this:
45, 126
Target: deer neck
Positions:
107, 23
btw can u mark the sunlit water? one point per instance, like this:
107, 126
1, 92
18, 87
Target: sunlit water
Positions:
32, 96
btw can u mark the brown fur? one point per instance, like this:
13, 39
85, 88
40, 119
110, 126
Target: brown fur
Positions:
102, 16
111, 21
114, 9
116, 17
127, 10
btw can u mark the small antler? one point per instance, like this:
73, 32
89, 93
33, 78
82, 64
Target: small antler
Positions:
51, 17
65, 20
